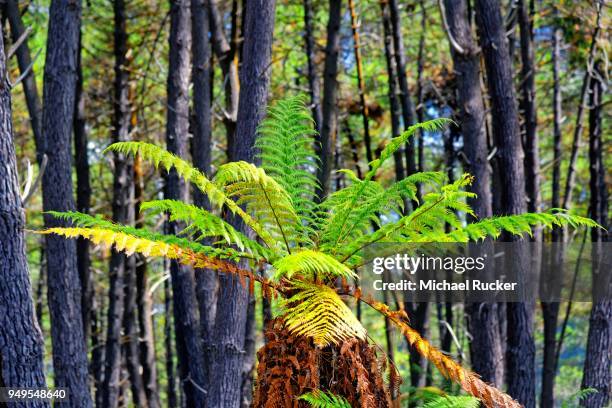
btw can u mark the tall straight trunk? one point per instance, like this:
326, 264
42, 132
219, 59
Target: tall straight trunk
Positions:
186, 313
24, 60
330, 89
313, 79
122, 212
485, 347
206, 280
172, 400
598, 356
392, 86
557, 40
143, 299
406, 102
229, 68
420, 108
506, 132
367, 140
227, 357
21, 342
64, 292
586, 83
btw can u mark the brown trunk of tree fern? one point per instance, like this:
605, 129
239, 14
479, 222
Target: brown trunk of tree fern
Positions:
64, 292
21, 342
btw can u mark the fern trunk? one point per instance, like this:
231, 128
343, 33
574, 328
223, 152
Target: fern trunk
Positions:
290, 366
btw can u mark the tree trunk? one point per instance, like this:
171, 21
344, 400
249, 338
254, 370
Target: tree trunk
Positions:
598, 358
64, 292
227, 351
367, 140
485, 347
406, 102
313, 79
330, 88
172, 400
122, 212
186, 313
506, 132
420, 108
21, 342
24, 60
206, 280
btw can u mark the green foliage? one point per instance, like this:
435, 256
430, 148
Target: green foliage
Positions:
575, 398
285, 144
311, 265
452, 401
320, 399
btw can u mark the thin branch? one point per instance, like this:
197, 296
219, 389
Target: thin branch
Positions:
451, 39
18, 43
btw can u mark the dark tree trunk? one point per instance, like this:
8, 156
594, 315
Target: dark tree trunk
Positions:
392, 84
506, 132
186, 313
145, 319
122, 212
420, 108
598, 359
485, 347
64, 292
172, 399
21, 342
227, 352
206, 280
557, 40
24, 60
83, 198
367, 140
313, 79
330, 89
229, 68
404, 92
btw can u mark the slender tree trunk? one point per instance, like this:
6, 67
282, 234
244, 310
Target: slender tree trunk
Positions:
598, 356
330, 89
557, 40
367, 140
24, 60
206, 280
122, 212
146, 341
506, 131
64, 292
227, 358
186, 313
404, 91
420, 108
21, 342
313, 79
576, 143
172, 399
229, 68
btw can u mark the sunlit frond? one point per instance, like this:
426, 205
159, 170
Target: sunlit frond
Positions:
320, 399
311, 264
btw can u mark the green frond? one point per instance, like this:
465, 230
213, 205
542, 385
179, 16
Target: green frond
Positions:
87, 222
452, 401
264, 198
320, 399
203, 224
217, 198
285, 143
310, 264
316, 311
434, 125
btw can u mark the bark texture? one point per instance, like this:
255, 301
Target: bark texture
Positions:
21, 342
227, 350
186, 313
64, 292
506, 134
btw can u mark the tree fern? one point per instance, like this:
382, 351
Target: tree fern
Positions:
452, 401
320, 399
275, 202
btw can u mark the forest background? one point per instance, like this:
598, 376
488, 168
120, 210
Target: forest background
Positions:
84, 75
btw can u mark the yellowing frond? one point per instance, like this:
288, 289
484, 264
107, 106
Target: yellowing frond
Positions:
316, 311
311, 264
